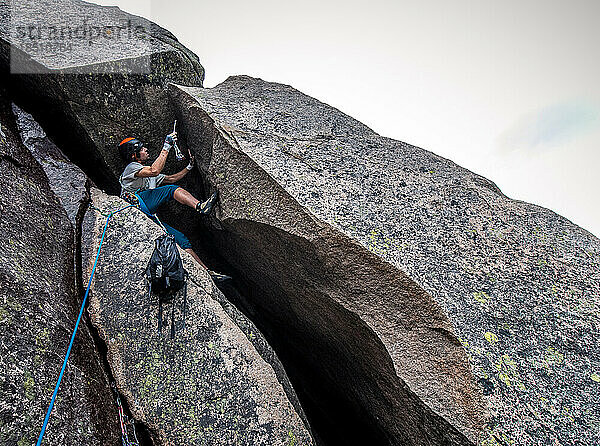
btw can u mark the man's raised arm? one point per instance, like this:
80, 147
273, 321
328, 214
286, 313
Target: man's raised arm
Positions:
170, 179
159, 163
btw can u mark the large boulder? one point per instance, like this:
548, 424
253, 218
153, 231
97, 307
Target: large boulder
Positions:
433, 305
92, 75
216, 382
39, 305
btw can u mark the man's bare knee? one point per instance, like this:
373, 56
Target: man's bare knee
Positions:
183, 196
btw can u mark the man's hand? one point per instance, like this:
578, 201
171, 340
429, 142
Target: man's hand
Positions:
170, 141
170, 179
190, 166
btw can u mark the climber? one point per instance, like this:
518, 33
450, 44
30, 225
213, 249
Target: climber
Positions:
141, 184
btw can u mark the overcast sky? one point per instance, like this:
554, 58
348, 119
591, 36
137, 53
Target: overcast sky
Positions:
508, 89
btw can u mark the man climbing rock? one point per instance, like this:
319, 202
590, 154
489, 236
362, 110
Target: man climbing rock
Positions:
141, 184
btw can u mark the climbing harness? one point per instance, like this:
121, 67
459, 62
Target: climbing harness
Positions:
87, 291
124, 421
130, 198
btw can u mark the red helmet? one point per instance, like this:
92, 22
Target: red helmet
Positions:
129, 147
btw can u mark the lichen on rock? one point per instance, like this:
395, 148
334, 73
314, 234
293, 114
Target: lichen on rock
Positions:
487, 307
208, 385
38, 308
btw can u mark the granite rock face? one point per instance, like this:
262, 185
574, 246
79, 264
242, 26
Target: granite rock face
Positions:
209, 385
67, 181
103, 83
448, 312
38, 308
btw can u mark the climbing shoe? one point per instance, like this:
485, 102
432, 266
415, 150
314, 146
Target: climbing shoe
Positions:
206, 207
218, 277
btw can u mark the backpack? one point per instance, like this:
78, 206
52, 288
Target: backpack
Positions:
166, 276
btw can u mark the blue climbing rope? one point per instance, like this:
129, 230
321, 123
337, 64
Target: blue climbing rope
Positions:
62, 371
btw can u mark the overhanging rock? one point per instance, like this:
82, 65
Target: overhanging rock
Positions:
449, 313
92, 75
216, 382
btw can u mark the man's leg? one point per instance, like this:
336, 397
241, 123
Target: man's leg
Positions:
184, 197
191, 252
185, 244
153, 198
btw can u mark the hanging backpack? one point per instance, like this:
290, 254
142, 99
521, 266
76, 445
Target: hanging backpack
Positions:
166, 276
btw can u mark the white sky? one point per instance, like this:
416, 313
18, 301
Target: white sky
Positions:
508, 89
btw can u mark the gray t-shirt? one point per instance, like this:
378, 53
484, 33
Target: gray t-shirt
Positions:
131, 183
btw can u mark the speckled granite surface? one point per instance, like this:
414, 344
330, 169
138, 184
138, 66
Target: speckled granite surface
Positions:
102, 78
207, 386
519, 284
39, 304
66, 180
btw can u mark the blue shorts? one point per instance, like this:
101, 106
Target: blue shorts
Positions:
151, 199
